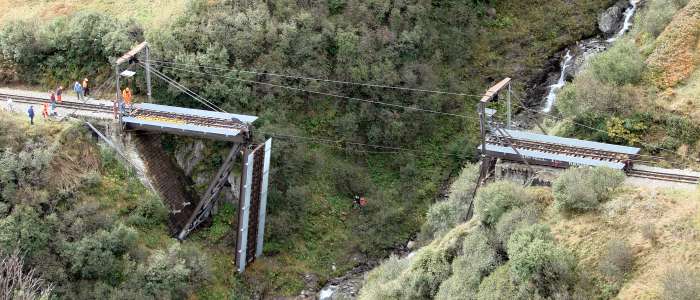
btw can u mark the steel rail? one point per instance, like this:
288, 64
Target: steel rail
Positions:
664, 176
189, 119
565, 149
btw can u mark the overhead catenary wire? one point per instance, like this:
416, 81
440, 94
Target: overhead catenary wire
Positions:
186, 90
307, 78
391, 149
328, 94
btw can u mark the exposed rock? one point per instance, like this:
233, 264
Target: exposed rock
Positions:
491, 12
410, 245
189, 156
609, 21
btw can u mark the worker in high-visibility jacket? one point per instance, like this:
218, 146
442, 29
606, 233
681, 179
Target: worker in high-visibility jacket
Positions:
45, 110
126, 95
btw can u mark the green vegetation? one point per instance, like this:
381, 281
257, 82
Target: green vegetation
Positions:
626, 95
584, 189
467, 262
448, 45
70, 223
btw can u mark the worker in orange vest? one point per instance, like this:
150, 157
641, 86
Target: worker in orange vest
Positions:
126, 94
59, 94
86, 88
45, 110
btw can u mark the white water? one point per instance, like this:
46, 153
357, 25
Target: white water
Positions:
327, 292
553, 89
629, 13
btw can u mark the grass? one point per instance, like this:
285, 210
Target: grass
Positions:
675, 214
147, 12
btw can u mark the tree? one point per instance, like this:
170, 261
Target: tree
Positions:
23, 229
19, 284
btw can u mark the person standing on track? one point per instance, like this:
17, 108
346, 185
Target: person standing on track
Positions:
86, 88
45, 111
9, 105
78, 90
59, 93
30, 113
126, 94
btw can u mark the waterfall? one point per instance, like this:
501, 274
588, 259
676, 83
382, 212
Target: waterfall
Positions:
566, 61
629, 13
553, 89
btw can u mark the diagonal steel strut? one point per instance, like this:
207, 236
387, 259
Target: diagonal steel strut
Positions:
204, 207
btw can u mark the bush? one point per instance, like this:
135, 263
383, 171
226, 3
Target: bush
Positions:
478, 260
164, 276
25, 230
537, 261
512, 221
444, 215
150, 211
493, 200
378, 283
657, 14
622, 64
98, 255
590, 96
617, 260
680, 283
583, 189
649, 233
498, 285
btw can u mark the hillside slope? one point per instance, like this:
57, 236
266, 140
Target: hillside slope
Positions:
87, 225
319, 162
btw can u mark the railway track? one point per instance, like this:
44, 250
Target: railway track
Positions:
64, 104
562, 149
137, 113
663, 176
594, 154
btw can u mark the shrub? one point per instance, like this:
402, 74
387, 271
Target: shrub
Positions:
378, 285
583, 189
657, 14
495, 199
649, 233
444, 215
617, 260
536, 260
498, 285
97, 255
478, 260
513, 220
17, 283
680, 283
150, 211
622, 64
163, 276
589, 95
23, 229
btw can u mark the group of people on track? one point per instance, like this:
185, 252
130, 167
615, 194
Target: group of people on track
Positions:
82, 91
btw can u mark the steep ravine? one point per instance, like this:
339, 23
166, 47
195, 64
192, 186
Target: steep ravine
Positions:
541, 92
614, 23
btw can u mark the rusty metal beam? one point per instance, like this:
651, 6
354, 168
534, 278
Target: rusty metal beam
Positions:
493, 91
133, 52
201, 213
